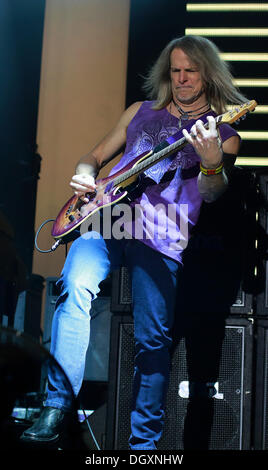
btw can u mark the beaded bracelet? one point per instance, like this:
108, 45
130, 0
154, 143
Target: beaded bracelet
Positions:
211, 171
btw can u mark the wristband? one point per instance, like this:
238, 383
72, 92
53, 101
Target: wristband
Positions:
211, 171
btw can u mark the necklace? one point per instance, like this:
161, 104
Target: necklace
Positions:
186, 115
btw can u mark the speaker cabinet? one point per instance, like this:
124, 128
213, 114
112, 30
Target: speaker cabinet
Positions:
121, 291
97, 358
121, 297
262, 297
29, 306
261, 386
262, 244
229, 410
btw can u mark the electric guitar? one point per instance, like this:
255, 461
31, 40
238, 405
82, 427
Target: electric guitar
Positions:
111, 190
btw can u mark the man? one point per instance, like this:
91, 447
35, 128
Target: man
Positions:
188, 84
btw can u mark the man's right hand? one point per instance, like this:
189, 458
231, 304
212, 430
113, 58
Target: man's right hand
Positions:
82, 184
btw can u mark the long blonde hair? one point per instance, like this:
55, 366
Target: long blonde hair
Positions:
215, 74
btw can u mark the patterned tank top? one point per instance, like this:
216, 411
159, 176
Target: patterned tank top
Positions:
169, 202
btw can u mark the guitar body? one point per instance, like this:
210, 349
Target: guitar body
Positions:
75, 211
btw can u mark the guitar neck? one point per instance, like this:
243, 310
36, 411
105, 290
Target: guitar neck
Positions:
150, 161
155, 157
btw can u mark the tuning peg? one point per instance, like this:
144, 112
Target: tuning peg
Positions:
237, 121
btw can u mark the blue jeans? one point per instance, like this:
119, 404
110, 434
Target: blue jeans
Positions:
89, 261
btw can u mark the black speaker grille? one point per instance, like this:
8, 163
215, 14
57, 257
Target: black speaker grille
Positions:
265, 386
225, 432
261, 386
124, 392
228, 402
125, 287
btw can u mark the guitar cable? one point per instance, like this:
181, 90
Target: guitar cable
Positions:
54, 246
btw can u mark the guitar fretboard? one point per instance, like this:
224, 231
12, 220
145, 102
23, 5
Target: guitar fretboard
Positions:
149, 161
155, 157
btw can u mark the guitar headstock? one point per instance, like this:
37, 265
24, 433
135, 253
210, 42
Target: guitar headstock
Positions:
237, 112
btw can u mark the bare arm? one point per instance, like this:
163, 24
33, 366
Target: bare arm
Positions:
212, 187
89, 165
206, 144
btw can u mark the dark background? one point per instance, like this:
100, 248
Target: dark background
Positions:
21, 35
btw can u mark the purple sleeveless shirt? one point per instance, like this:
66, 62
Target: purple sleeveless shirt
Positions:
169, 205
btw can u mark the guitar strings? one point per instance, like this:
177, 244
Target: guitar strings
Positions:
155, 156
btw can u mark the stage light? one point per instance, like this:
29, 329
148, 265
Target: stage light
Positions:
227, 31
253, 135
251, 82
245, 56
261, 109
252, 161
226, 7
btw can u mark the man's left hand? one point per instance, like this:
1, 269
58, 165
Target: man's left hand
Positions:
206, 142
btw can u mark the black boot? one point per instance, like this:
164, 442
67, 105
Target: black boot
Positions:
49, 427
